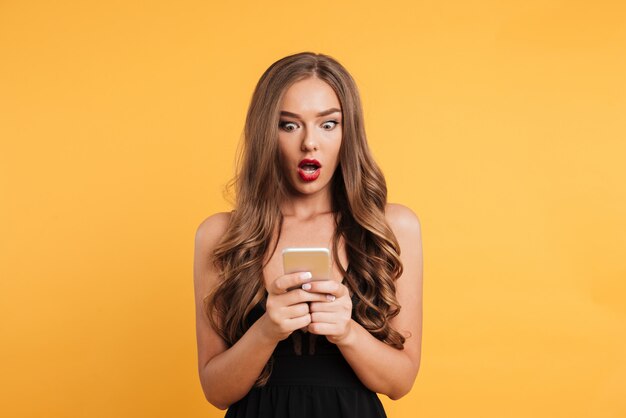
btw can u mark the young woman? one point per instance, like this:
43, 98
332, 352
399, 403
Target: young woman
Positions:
283, 345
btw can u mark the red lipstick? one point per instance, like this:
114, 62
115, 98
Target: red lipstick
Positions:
309, 169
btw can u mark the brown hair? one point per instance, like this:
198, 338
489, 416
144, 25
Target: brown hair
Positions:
359, 196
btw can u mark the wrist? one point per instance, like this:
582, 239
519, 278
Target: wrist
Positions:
266, 338
348, 337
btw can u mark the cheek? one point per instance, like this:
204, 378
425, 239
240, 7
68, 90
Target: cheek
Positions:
283, 149
286, 153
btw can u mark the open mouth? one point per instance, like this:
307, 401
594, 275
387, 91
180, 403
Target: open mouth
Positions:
309, 169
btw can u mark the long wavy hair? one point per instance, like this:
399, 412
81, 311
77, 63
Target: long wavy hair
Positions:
359, 196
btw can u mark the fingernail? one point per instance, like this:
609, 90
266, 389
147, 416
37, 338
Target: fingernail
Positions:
330, 297
306, 286
306, 276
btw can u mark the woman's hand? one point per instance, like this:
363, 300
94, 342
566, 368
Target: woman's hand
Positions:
287, 310
331, 317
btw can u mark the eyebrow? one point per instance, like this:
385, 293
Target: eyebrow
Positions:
322, 113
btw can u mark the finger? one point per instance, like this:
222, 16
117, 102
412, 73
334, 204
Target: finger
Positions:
298, 296
299, 322
325, 317
324, 307
322, 328
330, 287
297, 310
283, 283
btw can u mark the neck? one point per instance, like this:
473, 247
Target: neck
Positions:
307, 206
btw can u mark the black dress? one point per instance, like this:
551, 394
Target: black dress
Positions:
310, 378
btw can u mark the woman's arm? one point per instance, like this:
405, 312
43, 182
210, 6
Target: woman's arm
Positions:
381, 367
228, 374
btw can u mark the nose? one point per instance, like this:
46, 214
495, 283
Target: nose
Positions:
309, 141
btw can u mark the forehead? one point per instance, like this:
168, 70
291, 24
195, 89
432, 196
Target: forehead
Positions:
311, 95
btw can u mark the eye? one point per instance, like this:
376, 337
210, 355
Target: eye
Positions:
334, 122
283, 124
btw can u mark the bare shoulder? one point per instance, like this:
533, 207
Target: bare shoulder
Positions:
407, 229
208, 235
211, 230
402, 220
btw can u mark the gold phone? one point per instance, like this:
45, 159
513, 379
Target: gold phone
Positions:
315, 260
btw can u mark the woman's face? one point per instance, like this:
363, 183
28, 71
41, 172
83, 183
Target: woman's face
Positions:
309, 135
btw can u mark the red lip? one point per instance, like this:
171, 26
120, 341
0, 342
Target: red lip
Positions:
308, 175
309, 161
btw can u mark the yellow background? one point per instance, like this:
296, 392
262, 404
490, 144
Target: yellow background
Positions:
501, 124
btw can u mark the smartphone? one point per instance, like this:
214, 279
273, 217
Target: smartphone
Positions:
315, 260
